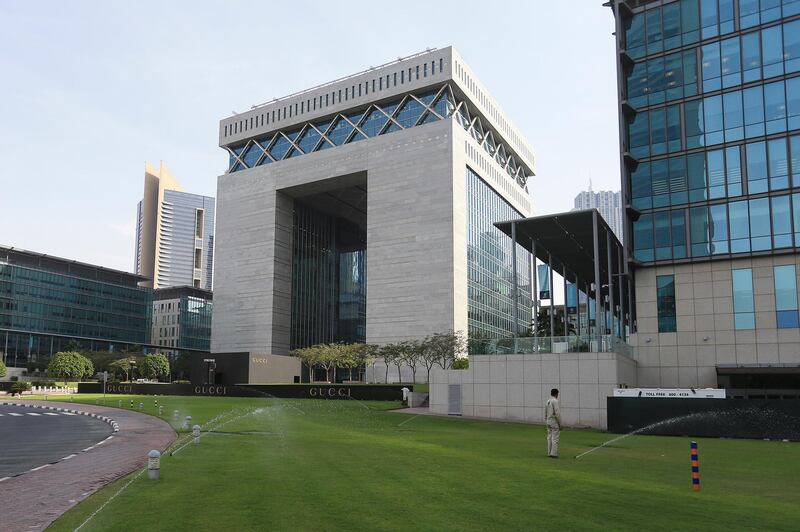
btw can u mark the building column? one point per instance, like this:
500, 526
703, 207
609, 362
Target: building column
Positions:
611, 305
597, 283
534, 274
577, 306
622, 278
514, 307
552, 294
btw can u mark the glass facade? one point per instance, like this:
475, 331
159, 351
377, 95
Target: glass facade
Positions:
711, 92
378, 119
490, 267
195, 323
665, 302
329, 279
41, 310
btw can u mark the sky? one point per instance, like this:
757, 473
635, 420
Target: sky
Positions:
93, 89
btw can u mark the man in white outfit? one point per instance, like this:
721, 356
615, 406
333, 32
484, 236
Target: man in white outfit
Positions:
552, 418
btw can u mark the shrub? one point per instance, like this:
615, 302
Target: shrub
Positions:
20, 386
181, 381
3, 369
461, 363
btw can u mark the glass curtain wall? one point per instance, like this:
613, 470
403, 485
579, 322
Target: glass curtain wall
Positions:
195, 323
713, 119
329, 279
490, 267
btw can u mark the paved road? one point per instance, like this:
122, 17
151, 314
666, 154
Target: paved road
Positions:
33, 437
32, 501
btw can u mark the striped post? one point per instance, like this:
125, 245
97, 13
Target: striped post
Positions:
695, 468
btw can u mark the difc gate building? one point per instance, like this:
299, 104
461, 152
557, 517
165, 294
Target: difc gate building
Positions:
363, 210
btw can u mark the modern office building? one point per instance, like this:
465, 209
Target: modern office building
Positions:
47, 302
174, 233
363, 209
709, 113
608, 202
182, 319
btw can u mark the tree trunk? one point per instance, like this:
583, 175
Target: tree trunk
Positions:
386, 377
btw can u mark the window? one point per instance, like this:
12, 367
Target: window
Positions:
772, 51
781, 222
760, 233
744, 316
665, 297
198, 223
786, 297
198, 258
756, 167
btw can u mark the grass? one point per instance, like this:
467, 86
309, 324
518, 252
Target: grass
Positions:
349, 465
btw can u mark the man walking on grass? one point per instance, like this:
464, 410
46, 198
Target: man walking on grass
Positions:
552, 418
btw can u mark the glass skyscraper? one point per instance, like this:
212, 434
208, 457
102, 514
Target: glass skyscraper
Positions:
709, 107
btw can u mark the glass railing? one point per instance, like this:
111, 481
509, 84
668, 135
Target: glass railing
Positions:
549, 344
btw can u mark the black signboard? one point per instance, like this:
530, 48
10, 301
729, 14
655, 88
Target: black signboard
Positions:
372, 392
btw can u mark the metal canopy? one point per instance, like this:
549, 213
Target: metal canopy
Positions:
581, 248
569, 238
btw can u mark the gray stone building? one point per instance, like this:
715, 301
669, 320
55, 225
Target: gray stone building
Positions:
363, 209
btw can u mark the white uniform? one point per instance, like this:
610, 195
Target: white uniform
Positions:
552, 417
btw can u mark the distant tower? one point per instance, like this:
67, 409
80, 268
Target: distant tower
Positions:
607, 202
174, 233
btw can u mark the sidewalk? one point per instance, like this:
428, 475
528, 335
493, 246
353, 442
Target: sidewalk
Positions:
34, 500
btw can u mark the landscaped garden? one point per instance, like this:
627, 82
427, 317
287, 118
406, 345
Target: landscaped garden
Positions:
348, 465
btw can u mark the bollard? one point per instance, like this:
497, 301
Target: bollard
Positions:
119, 403
695, 467
131, 403
196, 434
141, 406
175, 415
160, 411
187, 423
153, 464
45, 397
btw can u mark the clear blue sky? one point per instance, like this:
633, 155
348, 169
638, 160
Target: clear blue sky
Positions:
93, 89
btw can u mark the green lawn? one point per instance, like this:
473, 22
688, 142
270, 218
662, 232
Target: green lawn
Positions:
337, 465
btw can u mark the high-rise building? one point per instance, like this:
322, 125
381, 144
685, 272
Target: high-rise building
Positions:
609, 204
709, 113
364, 209
174, 233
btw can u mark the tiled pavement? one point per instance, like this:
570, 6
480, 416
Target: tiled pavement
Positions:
35, 499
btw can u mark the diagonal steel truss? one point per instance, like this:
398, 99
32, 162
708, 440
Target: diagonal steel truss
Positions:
468, 119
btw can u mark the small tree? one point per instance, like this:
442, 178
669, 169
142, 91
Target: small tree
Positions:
308, 356
3, 370
388, 353
70, 365
155, 366
429, 356
124, 365
410, 355
448, 347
